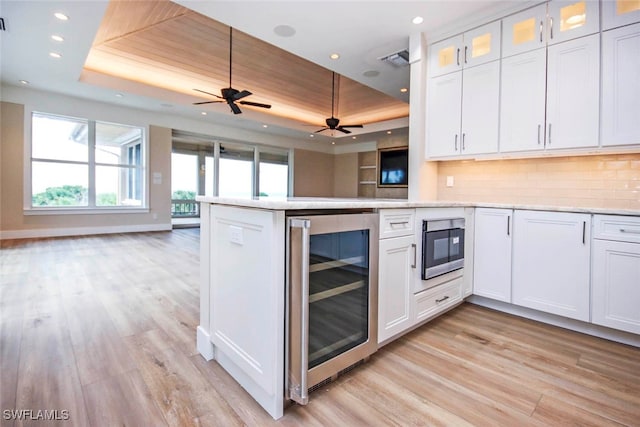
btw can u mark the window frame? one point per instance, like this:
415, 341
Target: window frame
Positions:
92, 165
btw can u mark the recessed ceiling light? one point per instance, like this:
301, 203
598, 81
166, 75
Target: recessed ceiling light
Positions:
57, 38
284, 31
388, 132
334, 56
404, 89
24, 82
119, 95
55, 55
204, 113
311, 136
265, 126
417, 20
371, 73
61, 16
333, 143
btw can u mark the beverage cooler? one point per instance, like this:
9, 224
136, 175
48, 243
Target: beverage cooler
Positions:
332, 297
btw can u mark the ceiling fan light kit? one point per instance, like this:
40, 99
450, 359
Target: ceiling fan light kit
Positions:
229, 94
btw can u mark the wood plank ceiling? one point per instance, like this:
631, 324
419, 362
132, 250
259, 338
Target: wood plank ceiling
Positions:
165, 45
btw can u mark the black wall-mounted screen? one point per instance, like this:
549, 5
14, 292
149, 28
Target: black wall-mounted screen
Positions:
393, 167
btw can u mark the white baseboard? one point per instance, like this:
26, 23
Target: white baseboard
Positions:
562, 322
204, 345
81, 231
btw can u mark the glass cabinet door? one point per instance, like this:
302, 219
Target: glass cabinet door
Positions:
481, 45
524, 31
446, 56
616, 13
572, 19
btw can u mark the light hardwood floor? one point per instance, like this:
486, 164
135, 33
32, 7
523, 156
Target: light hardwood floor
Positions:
104, 327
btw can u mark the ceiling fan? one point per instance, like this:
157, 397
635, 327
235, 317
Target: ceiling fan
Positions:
229, 94
332, 122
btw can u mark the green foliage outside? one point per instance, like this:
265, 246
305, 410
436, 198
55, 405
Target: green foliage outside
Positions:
67, 195
107, 199
183, 195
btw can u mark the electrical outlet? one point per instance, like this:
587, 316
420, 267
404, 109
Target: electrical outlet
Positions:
235, 235
449, 181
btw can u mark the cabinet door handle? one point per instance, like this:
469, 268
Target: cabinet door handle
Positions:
508, 225
458, 57
624, 230
584, 232
444, 298
541, 24
455, 144
551, 27
465, 54
549, 134
539, 127
415, 255
463, 147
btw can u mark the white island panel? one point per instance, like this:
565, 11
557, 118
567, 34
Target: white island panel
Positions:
247, 258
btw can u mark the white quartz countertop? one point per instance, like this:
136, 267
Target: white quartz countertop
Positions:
316, 203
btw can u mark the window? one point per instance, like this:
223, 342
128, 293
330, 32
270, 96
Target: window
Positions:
273, 173
85, 164
235, 171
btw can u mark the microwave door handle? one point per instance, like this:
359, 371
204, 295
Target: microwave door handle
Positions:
299, 392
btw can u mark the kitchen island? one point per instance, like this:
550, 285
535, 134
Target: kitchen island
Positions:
243, 295
243, 277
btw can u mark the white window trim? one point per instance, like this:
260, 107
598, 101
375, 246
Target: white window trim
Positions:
29, 210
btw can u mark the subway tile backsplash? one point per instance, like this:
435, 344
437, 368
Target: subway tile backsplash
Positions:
602, 181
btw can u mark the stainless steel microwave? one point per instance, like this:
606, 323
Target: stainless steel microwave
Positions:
442, 246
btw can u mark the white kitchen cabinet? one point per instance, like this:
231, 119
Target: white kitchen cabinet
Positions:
616, 13
551, 254
570, 19
474, 47
397, 257
444, 56
443, 115
522, 101
549, 23
480, 109
524, 31
621, 86
573, 82
616, 273
463, 112
492, 253
397, 260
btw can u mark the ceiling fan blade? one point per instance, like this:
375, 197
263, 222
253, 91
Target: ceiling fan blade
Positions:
341, 129
351, 126
209, 93
255, 104
206, 102
241, 95
234, 108
322, 130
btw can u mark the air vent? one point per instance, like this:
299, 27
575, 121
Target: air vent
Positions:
397, 59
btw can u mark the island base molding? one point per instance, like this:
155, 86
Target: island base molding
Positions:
562, 322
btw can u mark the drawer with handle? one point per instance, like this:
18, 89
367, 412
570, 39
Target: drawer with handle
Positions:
396, 222
617, 227
436, 300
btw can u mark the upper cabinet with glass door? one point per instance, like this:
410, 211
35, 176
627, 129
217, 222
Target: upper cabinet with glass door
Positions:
569, 19
549, 23
616, 13
474, 47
